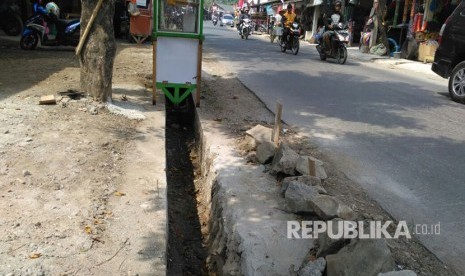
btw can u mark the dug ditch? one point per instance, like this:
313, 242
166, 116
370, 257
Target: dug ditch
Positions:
185, 253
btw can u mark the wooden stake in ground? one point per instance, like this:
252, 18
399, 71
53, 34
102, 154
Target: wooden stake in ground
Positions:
277, 124
311, 167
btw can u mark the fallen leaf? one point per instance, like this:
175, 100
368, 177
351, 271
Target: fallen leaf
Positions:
88, 229
119, 194
35, 256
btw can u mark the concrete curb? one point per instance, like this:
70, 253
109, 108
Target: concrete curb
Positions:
247, 227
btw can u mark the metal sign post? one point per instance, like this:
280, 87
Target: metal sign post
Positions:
177, 49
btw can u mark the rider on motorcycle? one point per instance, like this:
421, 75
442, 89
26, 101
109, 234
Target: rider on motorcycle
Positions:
330, 23
288, 18
38, 8
50, 13
244, 15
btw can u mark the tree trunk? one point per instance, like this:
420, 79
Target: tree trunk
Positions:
382, 33
99, 50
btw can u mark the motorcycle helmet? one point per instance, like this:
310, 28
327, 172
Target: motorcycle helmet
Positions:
53, 8
338, 3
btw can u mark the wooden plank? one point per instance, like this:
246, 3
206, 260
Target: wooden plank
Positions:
49, 99
277, 124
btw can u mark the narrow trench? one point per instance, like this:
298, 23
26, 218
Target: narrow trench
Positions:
185, 253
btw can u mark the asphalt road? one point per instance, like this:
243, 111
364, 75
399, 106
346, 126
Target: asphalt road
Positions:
395, 132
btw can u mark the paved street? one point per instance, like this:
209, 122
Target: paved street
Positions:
395, 132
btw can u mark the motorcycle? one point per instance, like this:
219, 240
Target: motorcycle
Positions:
68, 32
246, 28
215, 21
292, 42
338, 48
10, 18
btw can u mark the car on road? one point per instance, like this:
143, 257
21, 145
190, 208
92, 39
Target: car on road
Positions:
227, 20
449, 60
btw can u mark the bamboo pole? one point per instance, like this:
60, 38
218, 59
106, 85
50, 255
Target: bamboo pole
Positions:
88, 27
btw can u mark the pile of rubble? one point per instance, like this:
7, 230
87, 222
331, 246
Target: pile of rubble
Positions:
304, 193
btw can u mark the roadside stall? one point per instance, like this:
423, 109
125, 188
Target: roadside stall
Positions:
177, 49
412, 27
140, 26
427, 18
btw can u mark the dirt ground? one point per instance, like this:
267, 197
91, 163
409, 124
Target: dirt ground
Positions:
60, 166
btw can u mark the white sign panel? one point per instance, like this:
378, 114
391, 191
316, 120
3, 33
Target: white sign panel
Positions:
177, 60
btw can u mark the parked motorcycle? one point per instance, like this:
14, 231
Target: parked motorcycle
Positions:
338, 48
246, 28
68, 32
10, 18
292, 42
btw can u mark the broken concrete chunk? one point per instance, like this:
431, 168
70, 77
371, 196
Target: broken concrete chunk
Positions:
328, 207
49, 99
305, 179
362, 258
303, 167
299, 197
399, 273
345, 212
329, 245
284, 161
313, 268
260, 133
325, 206
265, 152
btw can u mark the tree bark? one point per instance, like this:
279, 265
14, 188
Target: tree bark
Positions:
99, 50
382, 33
